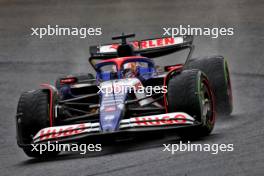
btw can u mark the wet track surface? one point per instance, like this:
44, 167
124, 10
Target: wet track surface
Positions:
27, 61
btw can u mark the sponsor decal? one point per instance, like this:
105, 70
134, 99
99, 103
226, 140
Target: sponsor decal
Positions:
144, 44
110, 109
160, 42
63, 131
163, 119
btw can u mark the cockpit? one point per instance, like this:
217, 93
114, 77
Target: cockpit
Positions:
120, 68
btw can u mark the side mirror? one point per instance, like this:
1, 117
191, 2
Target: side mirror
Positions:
173, 67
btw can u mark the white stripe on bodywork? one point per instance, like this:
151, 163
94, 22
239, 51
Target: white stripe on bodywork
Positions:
176, 118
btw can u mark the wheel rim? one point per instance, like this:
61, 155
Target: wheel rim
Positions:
207, 103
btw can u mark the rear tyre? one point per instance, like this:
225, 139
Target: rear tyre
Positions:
32, 116
216, 69
190, 92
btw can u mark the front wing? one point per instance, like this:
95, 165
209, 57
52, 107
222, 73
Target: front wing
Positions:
135, 124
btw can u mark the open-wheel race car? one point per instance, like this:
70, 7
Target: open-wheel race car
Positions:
128, 94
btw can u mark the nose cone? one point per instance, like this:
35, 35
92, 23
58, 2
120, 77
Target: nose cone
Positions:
110, 117
112, 104
111, 111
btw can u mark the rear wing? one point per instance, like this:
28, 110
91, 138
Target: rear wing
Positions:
150, 48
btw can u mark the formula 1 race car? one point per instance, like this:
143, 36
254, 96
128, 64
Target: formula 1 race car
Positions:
129, 94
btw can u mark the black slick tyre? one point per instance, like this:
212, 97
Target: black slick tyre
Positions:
32, 116
190, 92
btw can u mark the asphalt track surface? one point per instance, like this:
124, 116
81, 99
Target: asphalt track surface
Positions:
27, 61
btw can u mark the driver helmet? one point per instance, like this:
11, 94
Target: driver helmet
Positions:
130, 70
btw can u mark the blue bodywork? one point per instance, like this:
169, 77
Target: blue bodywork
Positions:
112, 106
111, 110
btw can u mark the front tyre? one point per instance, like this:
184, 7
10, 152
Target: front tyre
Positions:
32, 116
189, 92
